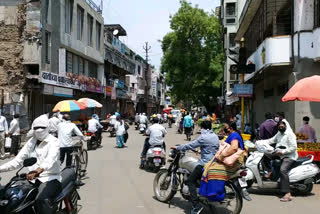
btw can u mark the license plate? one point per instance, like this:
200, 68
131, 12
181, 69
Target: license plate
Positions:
157, 160
243, 182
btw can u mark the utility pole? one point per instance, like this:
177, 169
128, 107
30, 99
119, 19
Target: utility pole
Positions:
147, 48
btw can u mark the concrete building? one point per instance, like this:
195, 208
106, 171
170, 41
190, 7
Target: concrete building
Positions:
61, 51
282, 40
230, 11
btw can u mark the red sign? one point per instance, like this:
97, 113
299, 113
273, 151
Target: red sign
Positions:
109, 90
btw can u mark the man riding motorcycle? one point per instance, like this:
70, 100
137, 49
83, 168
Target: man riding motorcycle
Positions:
208, 142
144, 119
94, 126
157, 133
46, 172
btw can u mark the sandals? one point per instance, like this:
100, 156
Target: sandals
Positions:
286, 199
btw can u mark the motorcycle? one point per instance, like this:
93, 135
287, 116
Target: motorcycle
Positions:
168, 181
19, 195
93, 140
142, 128
112, 130
137, 126
302, 175
155, 158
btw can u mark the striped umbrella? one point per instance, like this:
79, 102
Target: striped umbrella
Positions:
90, 103
68, 106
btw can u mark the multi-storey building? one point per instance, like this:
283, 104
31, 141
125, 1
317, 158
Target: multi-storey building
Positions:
282, 40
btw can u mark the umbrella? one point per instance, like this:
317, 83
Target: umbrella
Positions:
90, 103
167, 110
307, 89
68, 106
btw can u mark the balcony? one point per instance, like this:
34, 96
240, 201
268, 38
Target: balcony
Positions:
309, 43
274, 51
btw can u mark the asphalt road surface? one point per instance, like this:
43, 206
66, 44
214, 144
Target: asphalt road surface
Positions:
115, 184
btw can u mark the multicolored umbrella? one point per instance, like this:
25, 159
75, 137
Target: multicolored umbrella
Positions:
307, 89
68, 106
90, 103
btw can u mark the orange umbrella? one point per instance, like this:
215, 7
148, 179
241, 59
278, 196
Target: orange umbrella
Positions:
307, 89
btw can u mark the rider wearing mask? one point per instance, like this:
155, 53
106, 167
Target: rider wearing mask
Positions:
286, 150
208, 142
46, 172
157, 133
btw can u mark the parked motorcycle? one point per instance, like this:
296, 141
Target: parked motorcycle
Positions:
93, 140
168, 181
155, 158
18, 196
302, 175
142, 128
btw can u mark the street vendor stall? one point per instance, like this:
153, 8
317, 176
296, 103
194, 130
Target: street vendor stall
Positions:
307, 89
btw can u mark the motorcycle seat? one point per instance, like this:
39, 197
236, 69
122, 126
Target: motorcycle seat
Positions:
300, 161
68, 175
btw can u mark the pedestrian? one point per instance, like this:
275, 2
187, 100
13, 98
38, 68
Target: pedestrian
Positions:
66, 129
308, 131
3, 134
120, 131
14, 133
268, 128
188, 124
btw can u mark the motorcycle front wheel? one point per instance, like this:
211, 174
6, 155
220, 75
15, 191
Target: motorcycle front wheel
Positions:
162, 187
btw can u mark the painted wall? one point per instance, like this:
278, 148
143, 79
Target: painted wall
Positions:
304, 15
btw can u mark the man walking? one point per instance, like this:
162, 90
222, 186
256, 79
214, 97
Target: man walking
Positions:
187, 124
14, 133
3, 133
65, 131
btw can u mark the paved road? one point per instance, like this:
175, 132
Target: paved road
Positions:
116, 185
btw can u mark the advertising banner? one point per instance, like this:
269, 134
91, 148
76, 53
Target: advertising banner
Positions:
243, 90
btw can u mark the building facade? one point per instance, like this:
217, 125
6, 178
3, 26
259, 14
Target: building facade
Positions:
282, 40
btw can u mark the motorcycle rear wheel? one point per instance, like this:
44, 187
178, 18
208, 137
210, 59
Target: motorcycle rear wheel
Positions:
161, 187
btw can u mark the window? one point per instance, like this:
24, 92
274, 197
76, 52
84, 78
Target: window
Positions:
47, 6
89, 30
139, 69
69, 63
232, 41
68, 15
80, 15
98, 35
231, 9
317, 13
81, 66
230, 21
93, 70
48, 46
75, 64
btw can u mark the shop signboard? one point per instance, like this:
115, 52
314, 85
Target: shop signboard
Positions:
57, 80
120, 84
243, 90
121, 93
108, 90
114, 94
95, 89
62, 92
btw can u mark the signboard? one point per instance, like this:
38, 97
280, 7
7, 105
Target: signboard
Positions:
108, 90
55, 79
120, 84
62, 92
154, 88
243, 90
121, 93
114, 94
92, 88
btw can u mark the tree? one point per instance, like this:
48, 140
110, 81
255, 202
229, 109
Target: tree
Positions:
193, 55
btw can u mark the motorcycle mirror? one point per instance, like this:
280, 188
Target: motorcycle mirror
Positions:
29, 162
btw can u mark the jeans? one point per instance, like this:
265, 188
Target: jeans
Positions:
66, 151
147, 146
286, 165
191, 183
47, 192
120, 141
15, 144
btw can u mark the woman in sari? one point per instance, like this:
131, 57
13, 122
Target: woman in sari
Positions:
216, 173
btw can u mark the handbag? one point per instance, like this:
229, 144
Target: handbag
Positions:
232, 159
8, 142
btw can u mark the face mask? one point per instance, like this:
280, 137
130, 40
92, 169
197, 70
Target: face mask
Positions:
277, 119
282, 129
40, 134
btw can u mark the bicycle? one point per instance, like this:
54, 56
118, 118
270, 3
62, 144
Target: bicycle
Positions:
80, 159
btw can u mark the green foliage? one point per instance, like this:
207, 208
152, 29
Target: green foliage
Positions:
193, 55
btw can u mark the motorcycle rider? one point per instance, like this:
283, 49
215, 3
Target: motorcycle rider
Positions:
157, 133
208, 142
46, 172
94, 126
286, 150
144, 119
136, 119
65, 131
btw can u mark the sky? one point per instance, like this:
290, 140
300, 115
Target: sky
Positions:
146, 21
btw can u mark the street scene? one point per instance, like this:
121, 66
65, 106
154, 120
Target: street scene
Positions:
172, 106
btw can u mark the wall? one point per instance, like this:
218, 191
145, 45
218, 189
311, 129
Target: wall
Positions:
304, 13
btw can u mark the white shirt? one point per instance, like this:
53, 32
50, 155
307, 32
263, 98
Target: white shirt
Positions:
165, 115
3, 124
113, 119
14, 127
53, 124
120, 129
159, 116
157, 133
93, 125
65, 131
143, 119
47, 154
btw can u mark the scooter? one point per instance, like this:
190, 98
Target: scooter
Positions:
155, 158
302, 175
142, 128
19, 195
93, 140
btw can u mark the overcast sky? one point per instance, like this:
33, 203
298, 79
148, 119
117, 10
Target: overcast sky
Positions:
146, 20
